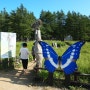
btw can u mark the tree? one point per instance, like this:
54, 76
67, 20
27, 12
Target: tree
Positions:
20, 22
47, 19
55, 24
4, 21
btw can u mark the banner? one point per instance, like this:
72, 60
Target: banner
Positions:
8, 44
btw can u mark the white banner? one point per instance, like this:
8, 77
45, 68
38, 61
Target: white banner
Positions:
8, 44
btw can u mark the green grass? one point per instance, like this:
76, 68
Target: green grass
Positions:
83, 62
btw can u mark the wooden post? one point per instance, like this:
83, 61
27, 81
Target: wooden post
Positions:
50, 78
75, 77
67, 80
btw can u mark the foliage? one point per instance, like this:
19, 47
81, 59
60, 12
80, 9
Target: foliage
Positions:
56, 25
6, 64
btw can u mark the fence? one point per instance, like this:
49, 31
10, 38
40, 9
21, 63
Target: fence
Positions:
67, 81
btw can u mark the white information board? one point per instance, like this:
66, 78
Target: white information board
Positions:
8, 44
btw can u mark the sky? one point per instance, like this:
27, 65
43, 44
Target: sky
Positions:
36, 6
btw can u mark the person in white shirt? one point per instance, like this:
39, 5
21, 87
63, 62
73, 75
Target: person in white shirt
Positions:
24, 54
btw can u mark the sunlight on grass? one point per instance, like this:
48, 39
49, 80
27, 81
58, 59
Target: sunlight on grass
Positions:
83, 62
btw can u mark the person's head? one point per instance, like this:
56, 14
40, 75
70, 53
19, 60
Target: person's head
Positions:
24, 44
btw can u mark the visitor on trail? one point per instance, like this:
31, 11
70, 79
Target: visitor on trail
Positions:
33, 51
24, 54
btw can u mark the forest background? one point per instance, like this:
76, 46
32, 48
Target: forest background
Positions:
55, 26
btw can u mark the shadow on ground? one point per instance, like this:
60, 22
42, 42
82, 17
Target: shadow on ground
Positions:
17, 77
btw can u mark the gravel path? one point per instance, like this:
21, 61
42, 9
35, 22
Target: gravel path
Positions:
16, 80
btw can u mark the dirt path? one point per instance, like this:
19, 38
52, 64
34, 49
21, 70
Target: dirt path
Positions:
16, 80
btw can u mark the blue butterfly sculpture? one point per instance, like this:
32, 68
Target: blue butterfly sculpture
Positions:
67, 60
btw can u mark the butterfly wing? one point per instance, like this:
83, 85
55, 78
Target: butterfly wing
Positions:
51, 57
68, 59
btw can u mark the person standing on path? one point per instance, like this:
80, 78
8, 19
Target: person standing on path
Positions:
24, 55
